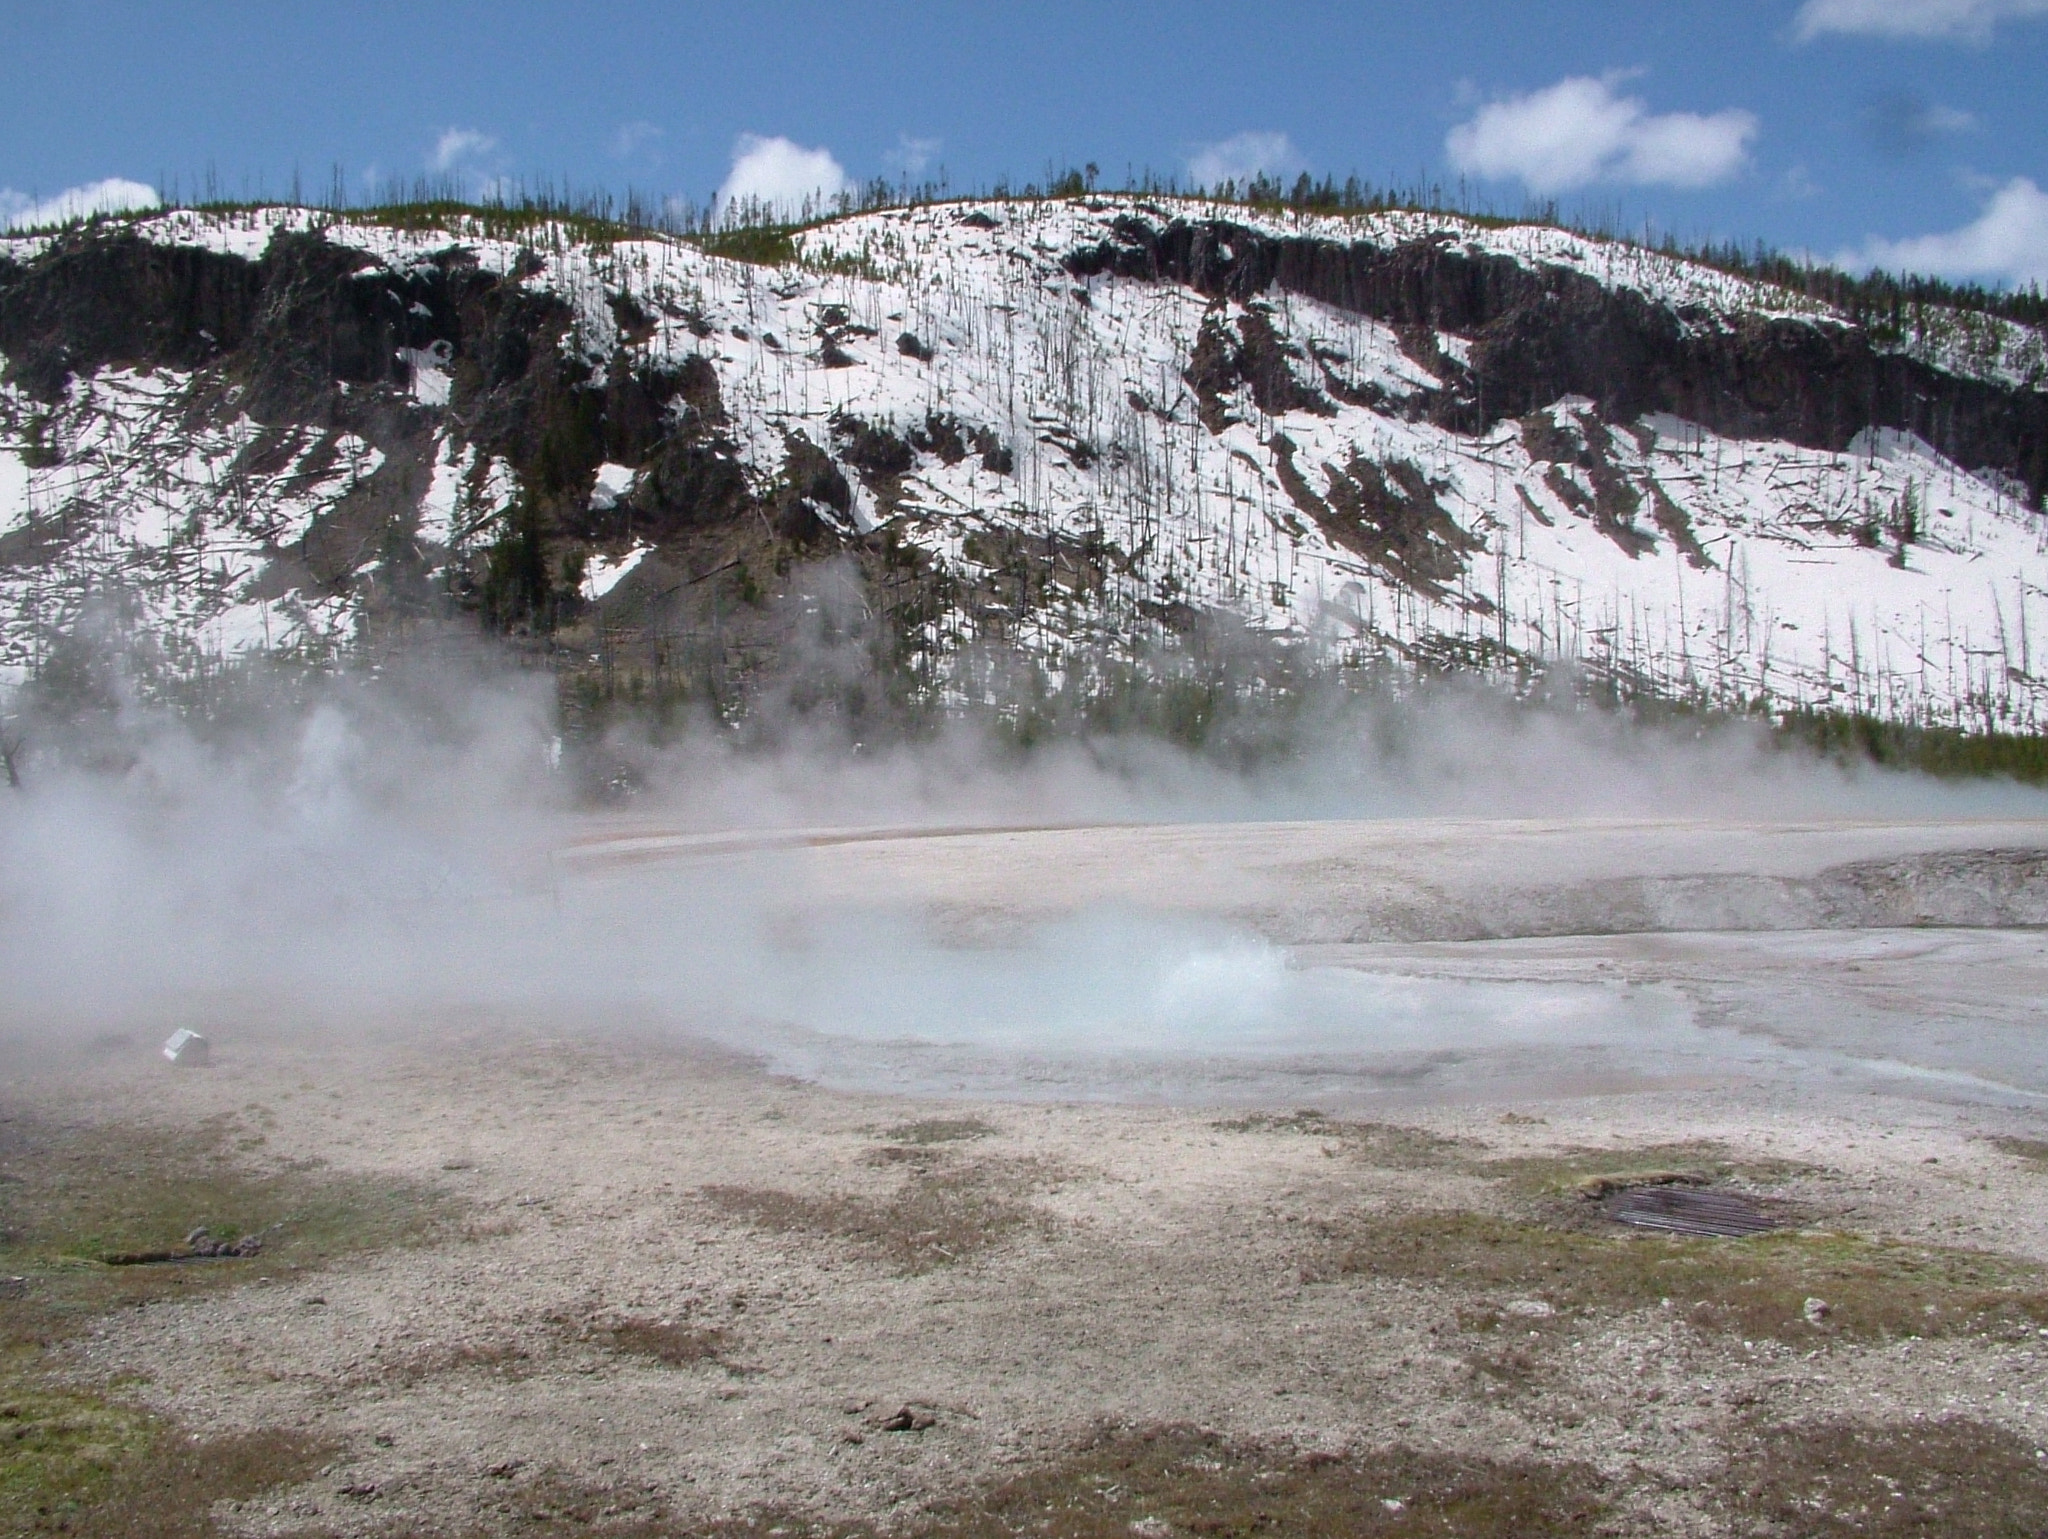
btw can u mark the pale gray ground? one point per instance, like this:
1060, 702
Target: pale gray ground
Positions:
1861, 997
1403, 959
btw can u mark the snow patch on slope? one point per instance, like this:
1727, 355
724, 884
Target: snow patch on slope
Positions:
604, 573
175, 522
1708, 567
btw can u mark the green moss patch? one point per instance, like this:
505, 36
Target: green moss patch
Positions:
939, 1130
79, 1465
58, 1449
81, 1196
1755, 1287
1586, 1172
1387, 1144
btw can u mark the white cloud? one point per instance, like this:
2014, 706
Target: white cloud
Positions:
2007, 243
778, 175
1970, 20
1578, 131
459, 144
635, 137
1242, 157
115, 195
912, 156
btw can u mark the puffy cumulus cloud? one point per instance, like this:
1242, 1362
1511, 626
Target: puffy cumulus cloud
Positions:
1579, 131
114, 195
2007, 243
457, 145
779, 176
1242, 157
1969, 20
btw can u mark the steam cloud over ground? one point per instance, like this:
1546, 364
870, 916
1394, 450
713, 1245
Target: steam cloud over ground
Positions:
393, 853
841, 1131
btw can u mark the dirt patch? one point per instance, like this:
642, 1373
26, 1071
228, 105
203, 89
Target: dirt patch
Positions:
1582, 442
499, 1358
1178, 1480
1755, 1287
666, 1342
643, 1360
1677, 527
1256, 356
2032, 1151
1306, 1121
1944, 1479
542, 1503
1164, 1481
1512, 1366
937, 1218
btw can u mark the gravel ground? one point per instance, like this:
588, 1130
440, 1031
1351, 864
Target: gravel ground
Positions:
674, 1276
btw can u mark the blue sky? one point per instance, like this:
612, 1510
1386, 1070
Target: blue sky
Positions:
1913, 132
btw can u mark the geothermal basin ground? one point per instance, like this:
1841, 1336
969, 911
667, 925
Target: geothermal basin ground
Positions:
1220, 1178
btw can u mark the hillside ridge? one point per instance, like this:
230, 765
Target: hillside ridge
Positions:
1018, 433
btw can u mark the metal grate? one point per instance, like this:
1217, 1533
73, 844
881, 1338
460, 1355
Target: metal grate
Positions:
1688, 1210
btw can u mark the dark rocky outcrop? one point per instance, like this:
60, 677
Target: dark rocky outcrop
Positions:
1388, 514
120, 299
1251, 353
310, 330
691, 483
1587, 446
1541, 333
813, 497
312, 340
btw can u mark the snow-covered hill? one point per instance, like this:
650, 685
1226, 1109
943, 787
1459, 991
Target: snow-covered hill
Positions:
1035, 428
